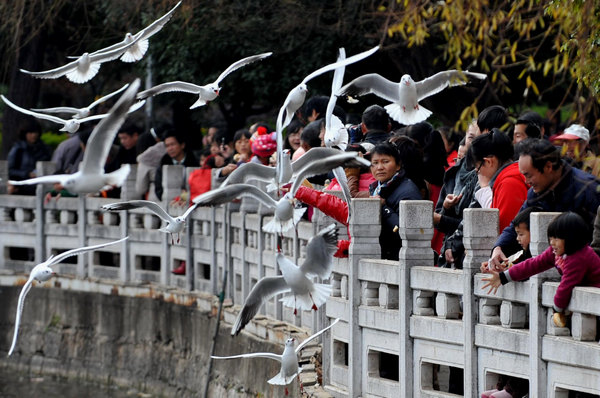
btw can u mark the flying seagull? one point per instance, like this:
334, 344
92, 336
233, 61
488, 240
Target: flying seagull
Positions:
139, 48
174, 224
91, 177
84, 67
205, 93
304, 293
286, 215
69, 125
405, 96
80, 113
289, 359
41, 273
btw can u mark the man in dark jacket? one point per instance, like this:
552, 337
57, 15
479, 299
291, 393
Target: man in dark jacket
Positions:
375, 125
555, 187
176, 155
23, 157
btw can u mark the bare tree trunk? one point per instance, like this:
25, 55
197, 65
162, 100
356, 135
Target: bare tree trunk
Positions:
23, 89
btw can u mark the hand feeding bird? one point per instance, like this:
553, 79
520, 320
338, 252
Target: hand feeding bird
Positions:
137, 51
406, 94
41, 273
288, 359
80, 113
205, 93
174, 224
304, 293
69, 125
91, 177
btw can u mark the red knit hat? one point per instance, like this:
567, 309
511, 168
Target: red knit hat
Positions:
263, 145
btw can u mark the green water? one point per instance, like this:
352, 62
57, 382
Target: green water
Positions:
19, 385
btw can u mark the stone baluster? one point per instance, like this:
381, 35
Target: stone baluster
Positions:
540, 319
41, 168
3, 176
416, 231
480, 232
365, 226
172, 180
128, 191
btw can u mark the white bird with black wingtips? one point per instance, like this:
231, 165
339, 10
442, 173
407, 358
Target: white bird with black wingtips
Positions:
406, 94
174, 224
205, 93
41, 273
288, 359
304, 294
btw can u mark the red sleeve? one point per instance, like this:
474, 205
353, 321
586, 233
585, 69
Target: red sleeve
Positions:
509, 196
572, 276
532, 266
329, 204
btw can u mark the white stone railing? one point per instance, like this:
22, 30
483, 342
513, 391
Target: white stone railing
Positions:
407, 328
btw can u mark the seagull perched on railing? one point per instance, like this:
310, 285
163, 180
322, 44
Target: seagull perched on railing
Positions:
205, 93
80, 113
286, 215
304, 293
140, 39
288, 359
174, 224
41, 273
69, 125
405, 96
91, 177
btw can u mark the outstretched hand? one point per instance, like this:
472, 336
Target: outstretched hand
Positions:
493, 282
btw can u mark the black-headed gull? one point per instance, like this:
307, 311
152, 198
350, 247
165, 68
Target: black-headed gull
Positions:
286, 215
405, 96
80, 113
91, 177
41, 273
139, 48
288, 359
174, 224
69, 125
304, 293
84, 67
205, 93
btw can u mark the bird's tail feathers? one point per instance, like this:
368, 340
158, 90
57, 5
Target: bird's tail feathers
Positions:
81, 77
276, 226
118, 177
320, 292
135, 52
407, 116
200, 102
280, 380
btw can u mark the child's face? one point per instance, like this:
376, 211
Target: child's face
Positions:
522, 235
558, 246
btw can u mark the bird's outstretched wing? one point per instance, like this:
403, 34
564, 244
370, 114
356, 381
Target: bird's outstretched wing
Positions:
22, 295
107, 96
53, 73
344, 62
230, 192
58, 109
371, 83
51, 118
249, 171
312, 155
189, 211
436, 83
73, 252
136, 204
268, 355
168, 87
263, 290
319, 252
320, 332
238, 64
157, 25
49, 179
104, 133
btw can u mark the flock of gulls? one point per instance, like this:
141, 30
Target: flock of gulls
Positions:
295, 282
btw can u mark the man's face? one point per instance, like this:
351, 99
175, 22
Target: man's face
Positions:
174, 149
537, 180
574, 149
519, 133
128, 141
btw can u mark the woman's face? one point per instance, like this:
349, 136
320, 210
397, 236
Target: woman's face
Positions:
242, 146
294, 139
383, 167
